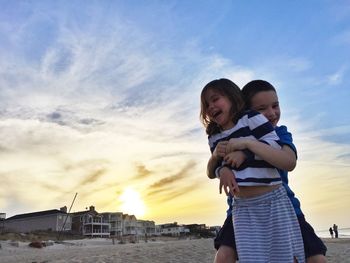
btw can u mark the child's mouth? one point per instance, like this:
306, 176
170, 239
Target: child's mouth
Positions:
216, 114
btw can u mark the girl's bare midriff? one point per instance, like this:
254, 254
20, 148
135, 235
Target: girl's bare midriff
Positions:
253, 191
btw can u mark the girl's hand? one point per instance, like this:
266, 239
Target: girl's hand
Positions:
220, 149
228, 181
235, 159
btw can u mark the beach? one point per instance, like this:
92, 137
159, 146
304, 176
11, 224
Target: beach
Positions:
156, 251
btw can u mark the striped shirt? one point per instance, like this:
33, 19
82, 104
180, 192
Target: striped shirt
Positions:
254, 171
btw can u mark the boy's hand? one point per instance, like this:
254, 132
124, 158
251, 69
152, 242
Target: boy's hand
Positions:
235, 144
220, 149
228, 181
235, 159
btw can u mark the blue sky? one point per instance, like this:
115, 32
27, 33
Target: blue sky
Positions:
102, 98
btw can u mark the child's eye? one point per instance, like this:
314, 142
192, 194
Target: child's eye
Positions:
275, 105
215, 99
260, 109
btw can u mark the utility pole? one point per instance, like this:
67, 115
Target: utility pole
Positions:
59, 234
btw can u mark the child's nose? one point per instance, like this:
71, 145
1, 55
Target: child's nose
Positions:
211, 106
270, 112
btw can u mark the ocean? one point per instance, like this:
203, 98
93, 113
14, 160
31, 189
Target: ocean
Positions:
342, 233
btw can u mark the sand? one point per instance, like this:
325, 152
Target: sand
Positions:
103, 251
338, 250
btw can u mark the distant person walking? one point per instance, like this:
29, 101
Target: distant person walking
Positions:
335, 229
331, 232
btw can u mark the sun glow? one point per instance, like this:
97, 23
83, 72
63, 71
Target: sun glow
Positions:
131, 203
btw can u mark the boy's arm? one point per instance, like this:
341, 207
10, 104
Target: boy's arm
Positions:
284, 158
267, 147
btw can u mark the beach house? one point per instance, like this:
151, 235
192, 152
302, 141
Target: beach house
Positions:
173, 229
2, 221
48, 220
90, 223
129, 225
115, 220
124, 224
145, 227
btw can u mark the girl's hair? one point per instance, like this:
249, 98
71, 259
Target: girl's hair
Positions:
252, 88
227, 88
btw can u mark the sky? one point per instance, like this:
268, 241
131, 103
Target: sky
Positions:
101, 98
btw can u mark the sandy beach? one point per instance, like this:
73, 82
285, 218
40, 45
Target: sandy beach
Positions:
103, 251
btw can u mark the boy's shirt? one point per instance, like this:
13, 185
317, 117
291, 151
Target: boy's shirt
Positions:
287, 139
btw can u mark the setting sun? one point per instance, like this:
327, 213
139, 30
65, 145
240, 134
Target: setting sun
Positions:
131, 203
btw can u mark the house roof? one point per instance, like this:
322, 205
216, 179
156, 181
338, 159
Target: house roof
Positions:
131, 217
94, 213
36, 214
91, 211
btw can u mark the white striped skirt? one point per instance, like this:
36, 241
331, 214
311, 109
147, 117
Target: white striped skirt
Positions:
267, 229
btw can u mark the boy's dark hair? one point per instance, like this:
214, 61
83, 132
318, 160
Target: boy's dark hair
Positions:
226, 88
254, 87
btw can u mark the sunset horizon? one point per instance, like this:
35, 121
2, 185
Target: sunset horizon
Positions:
102, 99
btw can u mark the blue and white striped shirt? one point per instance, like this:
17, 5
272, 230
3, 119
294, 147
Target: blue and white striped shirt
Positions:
254, 171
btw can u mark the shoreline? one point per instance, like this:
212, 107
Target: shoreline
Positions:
170, 250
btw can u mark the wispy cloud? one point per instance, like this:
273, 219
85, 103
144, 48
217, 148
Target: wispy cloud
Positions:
164, 185
92, 177
173, 194
342, 38
173, 178
142, 172
299, 64
337, 77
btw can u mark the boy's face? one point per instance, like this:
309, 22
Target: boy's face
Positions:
266, 102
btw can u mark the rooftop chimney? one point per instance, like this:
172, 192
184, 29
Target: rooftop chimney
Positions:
63, 209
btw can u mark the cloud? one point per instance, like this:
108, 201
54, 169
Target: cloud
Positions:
165, 186
97, 190
4, 149
80, 66
65, 117
166, 181
51, 187
172, 194
342, 38
298, 64
92, 177
142, 172
336, 78
344, 157
183, 173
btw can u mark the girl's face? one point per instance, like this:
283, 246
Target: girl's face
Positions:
219, 109
266, 102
